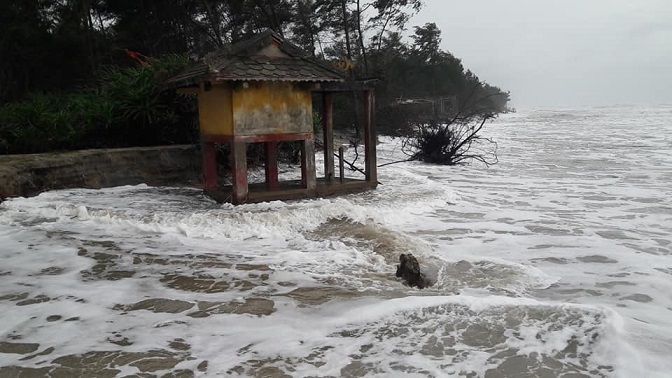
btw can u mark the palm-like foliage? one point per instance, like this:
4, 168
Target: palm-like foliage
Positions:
126, 107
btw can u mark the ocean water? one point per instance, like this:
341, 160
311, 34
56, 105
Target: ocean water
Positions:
555, 262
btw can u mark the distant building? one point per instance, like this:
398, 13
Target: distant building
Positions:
439, 109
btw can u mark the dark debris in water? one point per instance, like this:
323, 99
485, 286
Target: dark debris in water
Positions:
409, 271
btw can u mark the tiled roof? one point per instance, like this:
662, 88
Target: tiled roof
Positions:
238, 62
190, 76
265, 68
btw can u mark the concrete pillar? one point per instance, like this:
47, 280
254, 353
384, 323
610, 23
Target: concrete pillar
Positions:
370, 160
238, 159
271, 166
209, 155
328, 135
308, 179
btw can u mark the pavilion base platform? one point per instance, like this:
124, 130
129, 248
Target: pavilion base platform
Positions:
293, 190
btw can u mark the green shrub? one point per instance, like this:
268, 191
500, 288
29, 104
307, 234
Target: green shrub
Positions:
127, 107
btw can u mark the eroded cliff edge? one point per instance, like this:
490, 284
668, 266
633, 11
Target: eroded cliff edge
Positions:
28, 175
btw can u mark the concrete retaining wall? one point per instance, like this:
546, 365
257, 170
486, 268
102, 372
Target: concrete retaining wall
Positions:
27, 175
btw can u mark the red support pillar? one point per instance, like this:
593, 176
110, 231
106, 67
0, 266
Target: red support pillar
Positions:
271, 149
308, 179
238, 164
209, 155
328, 135
370, 160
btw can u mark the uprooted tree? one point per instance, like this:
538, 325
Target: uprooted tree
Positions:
455, 140
433, 132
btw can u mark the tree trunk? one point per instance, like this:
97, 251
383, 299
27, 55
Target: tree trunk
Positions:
213, 23
361, 38
346, 29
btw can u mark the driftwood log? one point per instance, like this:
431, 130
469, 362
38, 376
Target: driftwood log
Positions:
409, 271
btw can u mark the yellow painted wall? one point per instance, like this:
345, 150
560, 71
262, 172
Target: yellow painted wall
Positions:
214, 111
271, 108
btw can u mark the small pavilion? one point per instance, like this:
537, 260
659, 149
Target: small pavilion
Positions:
260, 91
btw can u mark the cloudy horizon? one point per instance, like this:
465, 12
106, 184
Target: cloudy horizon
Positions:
552, 53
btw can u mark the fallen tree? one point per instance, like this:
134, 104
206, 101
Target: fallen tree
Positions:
456, 140
454, 143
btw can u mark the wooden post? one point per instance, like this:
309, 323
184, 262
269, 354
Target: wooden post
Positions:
328, 135
341, 164
271, 167
238, 164
209, 155
370, 169
308, 179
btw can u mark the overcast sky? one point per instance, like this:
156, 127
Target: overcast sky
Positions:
562, 52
